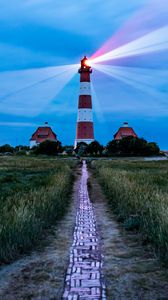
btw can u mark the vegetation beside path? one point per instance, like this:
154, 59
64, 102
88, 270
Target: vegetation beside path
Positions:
138, 194
34, 193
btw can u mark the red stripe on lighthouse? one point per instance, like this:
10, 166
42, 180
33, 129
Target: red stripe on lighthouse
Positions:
85, 101
85, 130
85, 77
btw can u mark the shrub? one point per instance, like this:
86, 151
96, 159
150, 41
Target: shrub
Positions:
49, 148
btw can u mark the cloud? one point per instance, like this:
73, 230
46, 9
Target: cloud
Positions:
14, 57
18, 124
80, 17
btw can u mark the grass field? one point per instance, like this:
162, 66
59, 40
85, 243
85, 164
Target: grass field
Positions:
34, 194
138, 194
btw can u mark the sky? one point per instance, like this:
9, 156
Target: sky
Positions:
41, 44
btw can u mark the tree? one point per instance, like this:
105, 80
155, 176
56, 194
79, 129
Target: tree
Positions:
94, 148
59, 147
81, 149
6, 148
139, 146
68, 149
21, 147
152, 149
49, 148
113, 147
127, 145
132, 146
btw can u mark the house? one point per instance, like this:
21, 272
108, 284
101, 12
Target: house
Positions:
124, 131
42, 134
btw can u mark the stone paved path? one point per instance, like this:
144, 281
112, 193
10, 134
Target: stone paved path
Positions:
84, 274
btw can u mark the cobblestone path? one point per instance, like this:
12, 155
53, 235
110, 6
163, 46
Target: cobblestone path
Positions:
84, 274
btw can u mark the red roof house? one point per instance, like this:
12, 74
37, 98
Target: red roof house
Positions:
124, 131
42, 134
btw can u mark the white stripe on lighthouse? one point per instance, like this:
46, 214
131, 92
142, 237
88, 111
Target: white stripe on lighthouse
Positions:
85, 115
85, 88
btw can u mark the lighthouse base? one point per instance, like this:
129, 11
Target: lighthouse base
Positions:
87, 141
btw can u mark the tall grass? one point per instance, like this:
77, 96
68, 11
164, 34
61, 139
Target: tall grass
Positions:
40, 199
138, 194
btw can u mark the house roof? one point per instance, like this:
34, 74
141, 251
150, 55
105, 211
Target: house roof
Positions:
43, 133
124, 131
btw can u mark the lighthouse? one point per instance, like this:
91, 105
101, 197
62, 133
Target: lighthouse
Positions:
84, 130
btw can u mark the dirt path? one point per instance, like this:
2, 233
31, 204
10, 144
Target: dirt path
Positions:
41, 274
84, 278
131, 270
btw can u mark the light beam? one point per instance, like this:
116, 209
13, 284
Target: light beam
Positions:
147, 80
151, 42
38, 87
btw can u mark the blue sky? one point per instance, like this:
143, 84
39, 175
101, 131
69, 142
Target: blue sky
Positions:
38, 36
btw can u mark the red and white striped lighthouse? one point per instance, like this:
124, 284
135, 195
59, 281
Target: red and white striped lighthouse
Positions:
85, 130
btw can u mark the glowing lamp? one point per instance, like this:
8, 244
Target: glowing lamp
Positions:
87, 63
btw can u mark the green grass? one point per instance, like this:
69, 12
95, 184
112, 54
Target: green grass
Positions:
34, 194
138, 194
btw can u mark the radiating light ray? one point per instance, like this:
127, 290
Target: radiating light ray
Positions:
122, 99
150, 77
66, 100
10, 80
142, 22
149, 81
96, 104
35, 97
151, 42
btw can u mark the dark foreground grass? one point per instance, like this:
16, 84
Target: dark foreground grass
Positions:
138, 194
34, 194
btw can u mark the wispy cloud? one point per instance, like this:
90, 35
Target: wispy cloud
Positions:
18, 124
14, 57
79, 17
